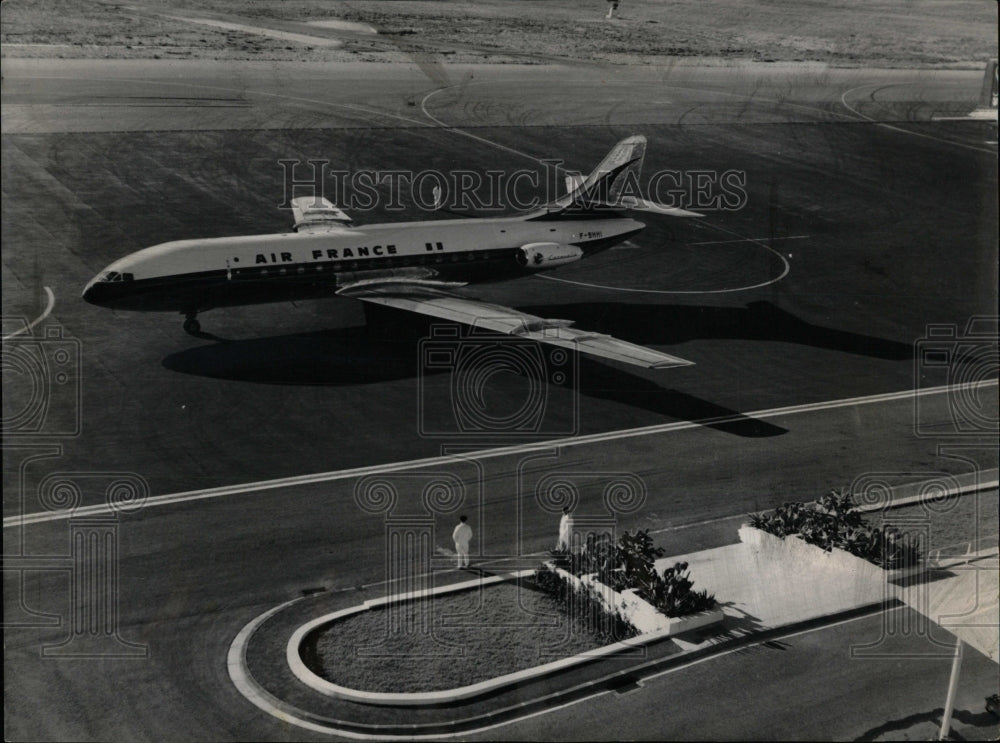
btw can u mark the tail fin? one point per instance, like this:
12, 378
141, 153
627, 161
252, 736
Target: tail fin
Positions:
614, 184
616, 176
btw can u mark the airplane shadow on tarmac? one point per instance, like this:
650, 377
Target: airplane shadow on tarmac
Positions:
387, 349
670, 324
335, 357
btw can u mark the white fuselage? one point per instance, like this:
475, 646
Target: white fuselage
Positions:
194, 275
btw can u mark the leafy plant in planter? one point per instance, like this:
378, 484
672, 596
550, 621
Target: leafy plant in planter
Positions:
600, 556
630, 564
672, 593
839, 506
835, 522
888, 548
636, 554
788, 518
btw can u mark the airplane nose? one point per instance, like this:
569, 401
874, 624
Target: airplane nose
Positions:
99, 292
90, 291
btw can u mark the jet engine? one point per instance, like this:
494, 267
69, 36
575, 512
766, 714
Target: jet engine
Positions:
546, 255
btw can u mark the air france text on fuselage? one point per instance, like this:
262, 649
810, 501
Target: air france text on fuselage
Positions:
328, 254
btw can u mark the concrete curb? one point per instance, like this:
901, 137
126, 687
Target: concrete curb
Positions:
925, 494
451, 727
445, 696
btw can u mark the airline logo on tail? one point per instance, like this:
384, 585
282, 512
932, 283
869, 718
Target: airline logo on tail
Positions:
614, 184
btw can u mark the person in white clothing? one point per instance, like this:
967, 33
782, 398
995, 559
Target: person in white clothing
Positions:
462, 536
565, 530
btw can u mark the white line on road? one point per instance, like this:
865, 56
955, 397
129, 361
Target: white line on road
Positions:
193, 495
33, 323
751, 239
843, 100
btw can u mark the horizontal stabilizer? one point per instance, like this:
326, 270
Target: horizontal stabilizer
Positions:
643, 205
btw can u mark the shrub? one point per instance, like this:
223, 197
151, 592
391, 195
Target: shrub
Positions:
672, 594
631, 565
585, 608
835, 522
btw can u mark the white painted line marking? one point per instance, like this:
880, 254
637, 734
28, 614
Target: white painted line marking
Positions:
843, 100
194, 495
899, 503
607, 287
40, 318
470, 135
751, 239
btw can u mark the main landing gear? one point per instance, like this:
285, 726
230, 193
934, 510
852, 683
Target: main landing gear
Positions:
191, 324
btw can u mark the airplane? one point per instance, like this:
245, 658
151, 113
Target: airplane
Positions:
420, 267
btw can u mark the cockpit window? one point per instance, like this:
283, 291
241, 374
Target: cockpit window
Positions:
114, 276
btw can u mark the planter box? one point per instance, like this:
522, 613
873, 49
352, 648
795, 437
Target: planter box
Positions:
642, 615
638, 610
810, 557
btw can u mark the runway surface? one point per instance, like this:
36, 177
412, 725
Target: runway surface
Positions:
865, 222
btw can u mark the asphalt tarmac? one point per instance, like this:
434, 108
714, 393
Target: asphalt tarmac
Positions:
865, 222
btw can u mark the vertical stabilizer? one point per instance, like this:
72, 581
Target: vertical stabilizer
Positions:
615, 177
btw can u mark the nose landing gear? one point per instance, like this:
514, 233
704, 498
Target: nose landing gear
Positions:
191, 324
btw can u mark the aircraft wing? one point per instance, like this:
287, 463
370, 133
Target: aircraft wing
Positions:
499, 319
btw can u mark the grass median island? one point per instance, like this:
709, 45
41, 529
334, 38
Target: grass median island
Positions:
452, 640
